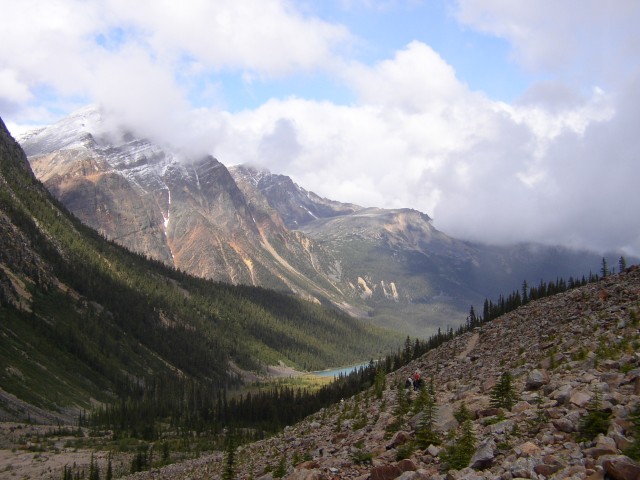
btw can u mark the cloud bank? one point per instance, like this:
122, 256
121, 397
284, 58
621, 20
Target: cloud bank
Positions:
558, 165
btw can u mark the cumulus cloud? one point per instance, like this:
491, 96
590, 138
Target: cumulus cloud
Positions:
587, 40
540, 170
556, 166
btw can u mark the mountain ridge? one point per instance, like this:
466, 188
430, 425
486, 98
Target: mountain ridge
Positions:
565, 353
249, 226
84, 319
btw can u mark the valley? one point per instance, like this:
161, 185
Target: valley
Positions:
119, 361
248, 226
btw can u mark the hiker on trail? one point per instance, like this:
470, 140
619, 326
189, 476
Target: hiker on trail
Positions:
408, 384
417, 381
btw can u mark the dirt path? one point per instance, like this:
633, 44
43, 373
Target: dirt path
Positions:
473, 341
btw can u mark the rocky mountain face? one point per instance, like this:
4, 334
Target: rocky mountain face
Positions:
400, 269
187, 212
569, 357
247, 226
82, 319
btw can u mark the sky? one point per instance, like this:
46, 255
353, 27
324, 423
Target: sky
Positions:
503, 121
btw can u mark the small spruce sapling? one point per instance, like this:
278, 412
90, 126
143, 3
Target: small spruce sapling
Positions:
596, 420
503, 394
426, 435
633, 450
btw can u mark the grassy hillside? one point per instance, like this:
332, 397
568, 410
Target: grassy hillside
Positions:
83, 318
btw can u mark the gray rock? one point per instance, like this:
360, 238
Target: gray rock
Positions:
484, 455
433, 450
445, 420
536, 379
501, 427
304, 474
580, 398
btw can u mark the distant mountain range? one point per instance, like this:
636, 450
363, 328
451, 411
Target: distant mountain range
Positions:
84, 320
248, 226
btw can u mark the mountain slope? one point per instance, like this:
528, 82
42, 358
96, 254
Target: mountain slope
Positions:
185, 211
248, 226
565, 354
399, 269
83, 319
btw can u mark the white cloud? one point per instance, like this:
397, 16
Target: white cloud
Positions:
558, 165
485, 170
12, 91
590, 41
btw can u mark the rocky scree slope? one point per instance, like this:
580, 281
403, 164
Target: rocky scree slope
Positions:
562, 352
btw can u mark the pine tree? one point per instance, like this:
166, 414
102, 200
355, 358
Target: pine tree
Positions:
379, 382
229, 472
604, 269
462, 414
109, 474
461, 448
94, 471
503, 394
622, 264
596, 420
426, 435
633, 450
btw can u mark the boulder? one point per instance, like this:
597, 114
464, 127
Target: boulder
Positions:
399, 438
385, 472
407, 465
433, 450
489, 412
484, 455
604, 446
414, 476
537, 378
580, 398
445, 420
527, 449
620, 467
564, 425
305, 474
546, 470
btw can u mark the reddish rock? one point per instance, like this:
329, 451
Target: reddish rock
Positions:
621, 467
305, 474
385, 472
399, 438
546, 469
489, 412
407, 465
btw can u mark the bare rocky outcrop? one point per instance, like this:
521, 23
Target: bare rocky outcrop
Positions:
561, 351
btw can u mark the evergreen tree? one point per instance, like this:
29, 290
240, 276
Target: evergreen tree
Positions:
462, 414
229, 472
604, 269
380, 382
472, 319
525, 292
94, 471
426, 435
503, 394
622, 264
596, 420
461, 448
633, 450
109, 474
408, 350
